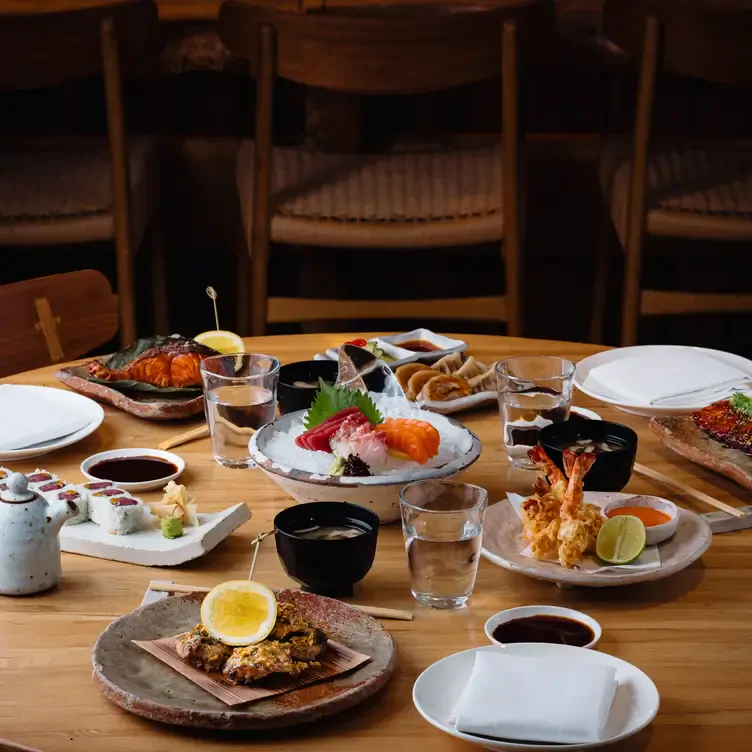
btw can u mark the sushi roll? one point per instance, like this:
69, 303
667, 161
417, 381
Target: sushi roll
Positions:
98, 485
4, 473
53, 491
40, 477
118, 513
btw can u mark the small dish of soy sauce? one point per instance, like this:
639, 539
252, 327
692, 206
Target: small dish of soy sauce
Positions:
551, 624
134, 469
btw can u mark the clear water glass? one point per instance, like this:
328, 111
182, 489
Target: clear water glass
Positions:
443, 526
240, 396
534, 391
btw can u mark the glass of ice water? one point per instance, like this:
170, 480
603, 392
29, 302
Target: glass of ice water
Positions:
534, 391
443, 526
240, 395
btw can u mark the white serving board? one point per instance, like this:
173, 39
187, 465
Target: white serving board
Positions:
149, 547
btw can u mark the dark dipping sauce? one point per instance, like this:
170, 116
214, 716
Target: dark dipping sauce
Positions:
132, 469
418, 345
553, 629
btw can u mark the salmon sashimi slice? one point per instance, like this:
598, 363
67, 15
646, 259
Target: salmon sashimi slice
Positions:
418, 439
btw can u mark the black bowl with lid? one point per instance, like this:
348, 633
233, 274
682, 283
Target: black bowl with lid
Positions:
328, 566
613, 468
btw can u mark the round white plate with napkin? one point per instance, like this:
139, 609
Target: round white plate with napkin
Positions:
37, 420
662, 380
559, 705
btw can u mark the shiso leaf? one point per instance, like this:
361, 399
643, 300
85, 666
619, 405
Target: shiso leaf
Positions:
742, 404
331, 399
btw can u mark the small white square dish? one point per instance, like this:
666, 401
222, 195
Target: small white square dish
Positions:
425, 344
395, 356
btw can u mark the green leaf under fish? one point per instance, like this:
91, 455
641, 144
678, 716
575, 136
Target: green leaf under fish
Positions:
331, 399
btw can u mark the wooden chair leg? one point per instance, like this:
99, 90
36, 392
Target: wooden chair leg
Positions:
154, 246
601, 279
261, 218
636, 208
511, 186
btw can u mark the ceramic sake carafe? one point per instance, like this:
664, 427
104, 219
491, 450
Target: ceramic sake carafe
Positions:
29, 543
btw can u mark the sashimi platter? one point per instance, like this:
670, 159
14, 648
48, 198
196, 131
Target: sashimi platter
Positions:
361, 440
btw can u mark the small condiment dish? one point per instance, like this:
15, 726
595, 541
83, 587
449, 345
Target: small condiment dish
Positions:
432, 346
654, 534
525, 612
149, 484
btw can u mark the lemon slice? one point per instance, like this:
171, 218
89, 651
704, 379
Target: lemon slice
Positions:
239, 612
222, 341
621, 539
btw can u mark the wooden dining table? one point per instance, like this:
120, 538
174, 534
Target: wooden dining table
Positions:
690, 633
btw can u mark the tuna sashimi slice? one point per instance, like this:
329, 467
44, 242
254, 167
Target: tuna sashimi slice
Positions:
317, 439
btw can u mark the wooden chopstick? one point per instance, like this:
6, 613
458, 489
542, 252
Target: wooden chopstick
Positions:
183, 438
663, 479
377, 611
256, 543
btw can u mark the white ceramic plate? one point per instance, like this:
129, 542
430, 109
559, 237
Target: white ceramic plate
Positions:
503, 544
78, 402
400, 356
149, 547
622, 403
444, 345
147, 485
438, 688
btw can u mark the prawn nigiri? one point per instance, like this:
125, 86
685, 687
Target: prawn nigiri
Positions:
418, 439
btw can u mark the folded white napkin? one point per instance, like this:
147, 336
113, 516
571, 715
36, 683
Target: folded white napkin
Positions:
560, 700
27, 418
675, 375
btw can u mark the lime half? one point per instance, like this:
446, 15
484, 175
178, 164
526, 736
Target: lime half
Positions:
621, 540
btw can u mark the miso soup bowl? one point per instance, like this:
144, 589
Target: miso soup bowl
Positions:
291, 397
328, 567
611, 470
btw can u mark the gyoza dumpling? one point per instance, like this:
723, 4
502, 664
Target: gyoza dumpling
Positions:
486, 382
449, 363
444, 387
471, 368
418, 380
403, 374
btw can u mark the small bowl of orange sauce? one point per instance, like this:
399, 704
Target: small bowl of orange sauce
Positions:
660, 516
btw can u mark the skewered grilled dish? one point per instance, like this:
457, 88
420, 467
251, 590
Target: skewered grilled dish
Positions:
201, 650
175, 363
728, 421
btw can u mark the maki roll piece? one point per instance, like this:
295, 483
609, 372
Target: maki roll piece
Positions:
39, 478
98, 485
4, 473
68, 492
118, 514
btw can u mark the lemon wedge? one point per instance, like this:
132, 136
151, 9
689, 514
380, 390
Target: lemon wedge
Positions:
239, 612
227, 343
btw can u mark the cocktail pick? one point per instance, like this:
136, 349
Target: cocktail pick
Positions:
256, 543
212, 293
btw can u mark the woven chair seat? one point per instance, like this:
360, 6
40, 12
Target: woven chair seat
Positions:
694, 190
54, 194
437, 198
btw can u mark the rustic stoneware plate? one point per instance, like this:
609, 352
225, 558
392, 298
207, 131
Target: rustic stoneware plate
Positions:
143, 685
683, 436
148, 405
503, 543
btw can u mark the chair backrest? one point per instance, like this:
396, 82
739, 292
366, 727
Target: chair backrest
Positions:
47, 48
705, 39
56, 318
385, 49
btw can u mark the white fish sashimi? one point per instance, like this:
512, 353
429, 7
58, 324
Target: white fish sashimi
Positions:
362, 440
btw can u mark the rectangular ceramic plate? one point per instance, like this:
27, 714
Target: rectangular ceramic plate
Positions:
400, 356
150, 548
446, 345
681, 434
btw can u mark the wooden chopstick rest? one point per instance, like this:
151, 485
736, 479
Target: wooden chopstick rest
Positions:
376, 611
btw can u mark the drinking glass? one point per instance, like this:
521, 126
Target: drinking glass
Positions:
240, 395
443, 526
534, 391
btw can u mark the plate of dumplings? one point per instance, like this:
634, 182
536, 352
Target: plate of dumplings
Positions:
450, 385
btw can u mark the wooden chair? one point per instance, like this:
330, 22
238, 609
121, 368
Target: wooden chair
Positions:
53, 319
54, 193
399, 199
700, 190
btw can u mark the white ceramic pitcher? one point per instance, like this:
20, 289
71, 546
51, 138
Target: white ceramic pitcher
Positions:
29, 542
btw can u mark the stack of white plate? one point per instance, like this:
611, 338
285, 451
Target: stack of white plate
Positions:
663, 380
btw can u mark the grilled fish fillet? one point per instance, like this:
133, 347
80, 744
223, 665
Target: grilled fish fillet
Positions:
201, 650
727, 425
254, 662
175, 363
306, 642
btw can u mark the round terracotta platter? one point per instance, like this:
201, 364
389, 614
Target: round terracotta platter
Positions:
143, 685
